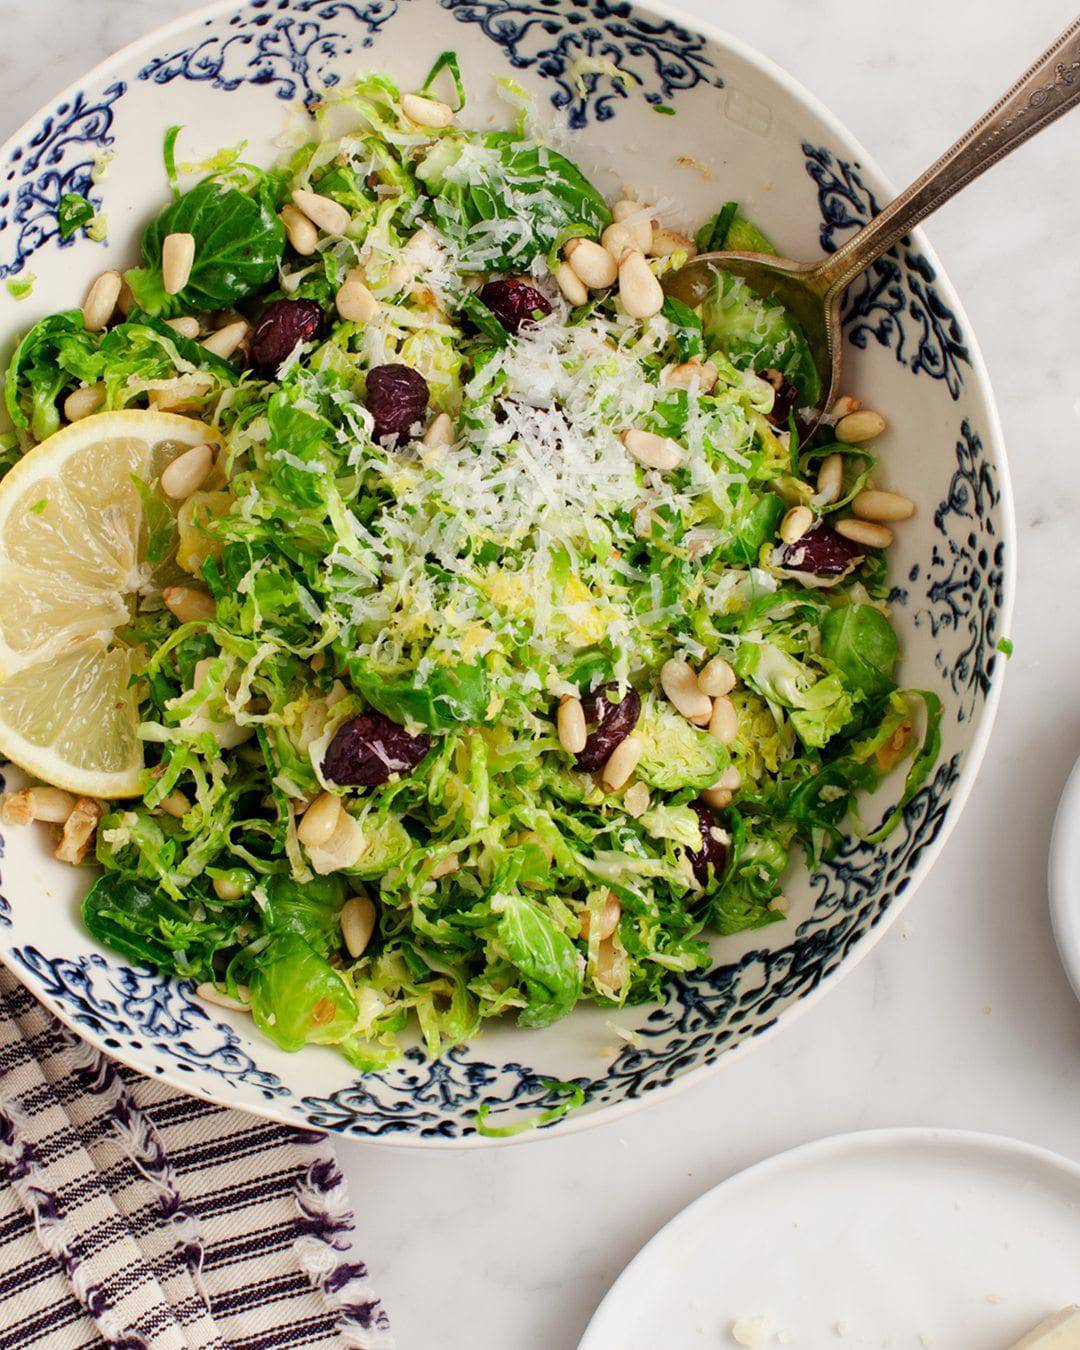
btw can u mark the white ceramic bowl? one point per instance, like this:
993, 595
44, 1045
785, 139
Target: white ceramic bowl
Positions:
741, 128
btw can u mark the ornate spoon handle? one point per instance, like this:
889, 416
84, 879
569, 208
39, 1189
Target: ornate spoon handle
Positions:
1046, 90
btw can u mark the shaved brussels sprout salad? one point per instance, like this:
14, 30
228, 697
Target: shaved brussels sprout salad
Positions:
514, 641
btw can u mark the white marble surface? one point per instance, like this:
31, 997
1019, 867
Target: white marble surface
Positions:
962, 1015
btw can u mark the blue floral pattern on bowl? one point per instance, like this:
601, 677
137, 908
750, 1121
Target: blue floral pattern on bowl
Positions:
292, 50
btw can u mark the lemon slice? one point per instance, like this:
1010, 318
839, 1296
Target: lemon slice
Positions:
72, 557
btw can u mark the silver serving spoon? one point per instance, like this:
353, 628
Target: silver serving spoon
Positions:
811, 292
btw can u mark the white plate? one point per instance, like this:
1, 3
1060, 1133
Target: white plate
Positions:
1065, 878
893, 1238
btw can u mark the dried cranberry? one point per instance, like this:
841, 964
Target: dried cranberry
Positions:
786, 396
367, 749
710, 859
397, 397
611, 723
515, 304
282, 326
821, 552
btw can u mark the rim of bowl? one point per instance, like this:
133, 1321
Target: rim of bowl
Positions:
1064, 864
608, 1114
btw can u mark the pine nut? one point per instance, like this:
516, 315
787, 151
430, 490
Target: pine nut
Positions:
610, 914
622, 763
666, 243
187, 472
875, 504
357, 918
210, 993
844, 404
571, 285
49, 804
185, 392
724, 789
186, 325
795, 524
637, 220
716, 678
641, 294
225, 889
329, 215
830, 479
636, 799
189, 604
354, 301
679, 683
446, 866
177, 260
79, 830
861, 426
300, 230
609, 967
100, 302
570, 720
81, 403
319, 821
225, 341
619, 241
125, 301
440, 433
724, 722
701, 375
176, 804
16, 808
865, 532
655, 452
426, 112
591, 263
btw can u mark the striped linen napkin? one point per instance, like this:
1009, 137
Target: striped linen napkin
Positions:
137, 1217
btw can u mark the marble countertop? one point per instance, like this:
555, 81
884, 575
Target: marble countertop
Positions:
962, 1015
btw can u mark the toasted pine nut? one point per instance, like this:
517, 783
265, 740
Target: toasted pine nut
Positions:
355, 303
125, 301
610, 914
701, 375
357, 919
680, 684
81, 403
641, 294
188, 603
619, 241
655, 452
780, 903
636, 799
49, 804
591, 263
666, 243
795, 524
426, 112
724, 722
210, 993
319, 821
622, 763
440, 433
860, 426
446, 866
100, 302
16, 809
830, 479
610, 966
79, 830
865, 532
186, 325
844, 404
225, 341
328, 214
723, 790
300, 230
175, 804
177, 260
875, 504
716, 678
570, 720
187, 472
225, 889
571, 285
637, 220
185, 392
